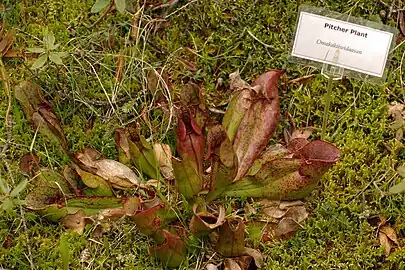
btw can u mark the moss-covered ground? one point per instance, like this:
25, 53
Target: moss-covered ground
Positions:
203, 41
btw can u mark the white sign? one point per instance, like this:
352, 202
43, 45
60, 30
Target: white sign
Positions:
360, 48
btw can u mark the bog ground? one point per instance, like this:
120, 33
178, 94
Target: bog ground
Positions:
201, 41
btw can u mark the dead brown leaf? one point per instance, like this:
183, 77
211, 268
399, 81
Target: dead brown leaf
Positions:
211, 266
6, 42
77, 222
297, 213
390, 233
72, 178
286, 228
285, 218
274, 212
13, 54
249, 209
28, 162
256, 255
230, 264
119, 175
396, 109
8, 243
164, 159
385, 242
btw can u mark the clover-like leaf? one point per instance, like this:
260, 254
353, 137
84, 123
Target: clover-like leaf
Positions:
49, 40
56, 58
120, 5
40, 62
20, 187
36, 50
99, 5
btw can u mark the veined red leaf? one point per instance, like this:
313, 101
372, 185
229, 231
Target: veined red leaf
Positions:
259, 122
190, 142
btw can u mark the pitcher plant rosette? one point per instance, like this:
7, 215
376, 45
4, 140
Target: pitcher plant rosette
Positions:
215, 163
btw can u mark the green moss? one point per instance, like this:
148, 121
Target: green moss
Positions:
216, 34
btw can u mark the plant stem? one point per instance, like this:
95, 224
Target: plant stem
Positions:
327, 106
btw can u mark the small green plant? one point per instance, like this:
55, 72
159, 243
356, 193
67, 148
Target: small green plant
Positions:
9, 198
47, 52
400, 187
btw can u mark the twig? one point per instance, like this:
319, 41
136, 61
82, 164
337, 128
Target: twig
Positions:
373, 181
258, 40
8, 120
174, 12
168, 4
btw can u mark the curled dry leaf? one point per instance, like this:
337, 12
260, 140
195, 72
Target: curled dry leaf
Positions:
230, 264
203, 223
256, 255
119, 175
285, 218
40, 113
211, 266
387, 236
76, 222
164, 159
389, 232
6, 42
301, 79
385, 242
28, 162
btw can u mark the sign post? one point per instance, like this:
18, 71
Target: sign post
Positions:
341, 45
